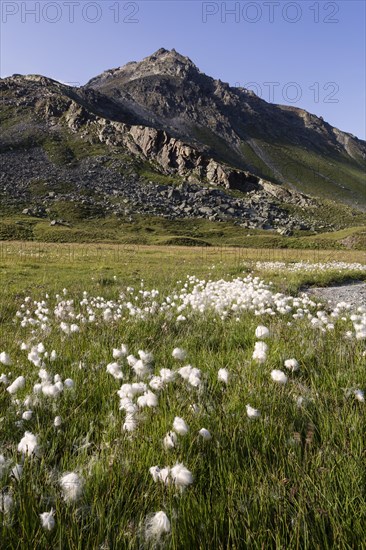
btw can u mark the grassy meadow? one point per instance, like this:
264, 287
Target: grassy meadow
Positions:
286, 473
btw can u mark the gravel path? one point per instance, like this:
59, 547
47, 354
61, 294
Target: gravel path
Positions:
354, 294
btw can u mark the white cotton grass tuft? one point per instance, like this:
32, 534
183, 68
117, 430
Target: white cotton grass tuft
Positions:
130, 390
260, 352
261, 332
180, 426
115, 370
126, 404
205, 434
195, 378
145, 356
179, 354
44, 376
18, 384
59, 385
131, 360
33, 357
27, 415
151, 399
181, 476
167, 375
5, 359
156, 383
185, 372
129, 423
279, 376
252, 413
155, 473
156, 525
223, 375
120, 352
29, 445
72, 486
141, 368
40, 348
359, 396
148, 399
191, 374
170, 440
51, 390
291, 364
57, 421
47, 520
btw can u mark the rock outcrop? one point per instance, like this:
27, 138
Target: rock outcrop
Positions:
174, 156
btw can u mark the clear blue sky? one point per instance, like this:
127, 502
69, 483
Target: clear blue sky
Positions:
313, 50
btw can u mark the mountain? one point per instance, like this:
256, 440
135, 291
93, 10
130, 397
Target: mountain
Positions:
160, 138
279, 143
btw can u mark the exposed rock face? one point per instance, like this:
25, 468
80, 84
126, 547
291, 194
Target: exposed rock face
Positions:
174, 156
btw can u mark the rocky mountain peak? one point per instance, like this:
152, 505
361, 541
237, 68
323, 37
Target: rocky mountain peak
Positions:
163, 63
169, 56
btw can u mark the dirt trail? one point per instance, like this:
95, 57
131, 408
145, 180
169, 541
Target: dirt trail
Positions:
354, 294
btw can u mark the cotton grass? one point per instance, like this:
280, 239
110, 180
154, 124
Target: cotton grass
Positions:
47, 520
156, 526
121, 413
72, 486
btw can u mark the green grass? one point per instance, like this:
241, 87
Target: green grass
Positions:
218, 146
331, 178
255, 163
151, 171
9, 117
328, 212
328, 176
161, 179
292, 479
89, 224
65, 148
